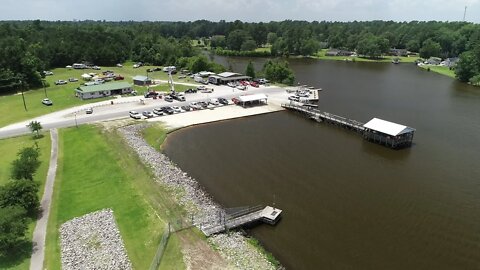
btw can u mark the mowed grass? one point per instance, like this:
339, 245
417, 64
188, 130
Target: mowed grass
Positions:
97, 170
63, 96
441, 70
9, 149
403, 59
155, 135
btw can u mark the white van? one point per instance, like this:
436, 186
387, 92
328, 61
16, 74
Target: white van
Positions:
213, 101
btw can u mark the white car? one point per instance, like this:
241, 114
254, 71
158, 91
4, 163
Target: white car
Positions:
213, 101
47, 73
195, 105
60, 82
47, 102
207, 90
135, 115
73, 80
176, 109
241, 87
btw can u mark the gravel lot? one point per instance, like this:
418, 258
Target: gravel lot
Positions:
93, 241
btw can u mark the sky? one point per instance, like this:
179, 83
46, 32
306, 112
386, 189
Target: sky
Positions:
244, 10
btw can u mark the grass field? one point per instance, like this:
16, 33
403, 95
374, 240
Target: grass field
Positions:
63, 95
155, 135
9, 149
102, 172
321, 55
441, 70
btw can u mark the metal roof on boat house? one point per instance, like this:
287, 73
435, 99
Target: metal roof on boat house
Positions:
387, 127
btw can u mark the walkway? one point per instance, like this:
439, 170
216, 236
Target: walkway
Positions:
38, 253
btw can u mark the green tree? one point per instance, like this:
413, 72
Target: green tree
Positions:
199, 63
271, 38
248, 45
250, 70
430, 48
278, 71
35, 128
236, 38
13, 227
309, 47
27, 163
466, 67
21, 193
372, 46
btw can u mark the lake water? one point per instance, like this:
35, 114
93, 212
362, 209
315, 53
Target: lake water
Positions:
348, 203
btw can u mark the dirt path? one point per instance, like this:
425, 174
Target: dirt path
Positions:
38, 253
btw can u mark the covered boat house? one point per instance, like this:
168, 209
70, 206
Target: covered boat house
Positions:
388, 133
141, 80
248, 100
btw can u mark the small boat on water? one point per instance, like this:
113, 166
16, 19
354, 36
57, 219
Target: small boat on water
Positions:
396, 60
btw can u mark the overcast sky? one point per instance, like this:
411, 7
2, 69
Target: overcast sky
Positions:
244, 10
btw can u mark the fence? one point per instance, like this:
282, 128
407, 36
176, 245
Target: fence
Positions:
161, 249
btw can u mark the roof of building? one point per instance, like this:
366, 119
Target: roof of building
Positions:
228, 74
104, 87
387, 127
141, 78
255, 97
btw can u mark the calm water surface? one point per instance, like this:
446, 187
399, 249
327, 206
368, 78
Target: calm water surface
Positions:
351, 204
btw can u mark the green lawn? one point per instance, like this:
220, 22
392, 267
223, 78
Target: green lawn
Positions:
9, 149
321, 55
155, 135
441, 70
263, 49
63, 95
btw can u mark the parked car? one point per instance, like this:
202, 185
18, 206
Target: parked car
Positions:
176, 109
231, 84
203, 104
213, 101
119, 65
294, 98
47, 102
167, 110
190, 91
135, 115
168, 99
151, 94
207, 90
72, 79
223, 101
254, 84
195, 106
89, 83
201, 87
47, 73
118, 78
96, 67
148, 114
241, 87
178, 97
89, 110
137, 65
262, 81
60, 82
158, 111
186, 108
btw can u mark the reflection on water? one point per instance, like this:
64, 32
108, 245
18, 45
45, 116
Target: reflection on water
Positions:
349, 203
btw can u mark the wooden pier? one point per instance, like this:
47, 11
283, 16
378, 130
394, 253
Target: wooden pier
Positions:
319, 116
266, 214
376, 130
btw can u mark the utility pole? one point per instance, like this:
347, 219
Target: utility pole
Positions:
23, 97
76, 124
44, 88
465, 13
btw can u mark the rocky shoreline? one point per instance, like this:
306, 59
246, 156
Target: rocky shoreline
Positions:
196, 201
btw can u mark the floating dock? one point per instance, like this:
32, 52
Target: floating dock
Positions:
376, 130
266, 214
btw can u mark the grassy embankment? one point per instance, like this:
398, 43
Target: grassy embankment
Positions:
9, 149
321, 55
103, 172
440, 70
63, 95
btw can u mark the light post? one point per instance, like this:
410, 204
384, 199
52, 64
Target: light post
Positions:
76, 124
44, 88
23, 97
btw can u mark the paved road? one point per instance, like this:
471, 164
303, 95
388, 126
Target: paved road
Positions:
102, 112
39, 234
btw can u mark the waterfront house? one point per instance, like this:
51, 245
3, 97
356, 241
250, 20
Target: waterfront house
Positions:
103, 90
434, 61
398, 52
337, 52
141, 80
451, 62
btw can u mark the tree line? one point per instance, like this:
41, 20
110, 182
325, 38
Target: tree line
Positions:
29, 47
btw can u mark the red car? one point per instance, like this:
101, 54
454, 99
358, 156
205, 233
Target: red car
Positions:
254, 84
119, 77
244, 83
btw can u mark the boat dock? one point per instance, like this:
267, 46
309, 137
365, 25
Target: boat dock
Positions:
266, 214
376, 130
319, 116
